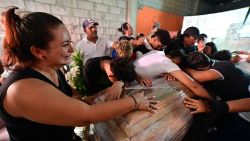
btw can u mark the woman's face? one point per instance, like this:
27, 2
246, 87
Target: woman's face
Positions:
207, 50
60, 48
130, 30
2, 22
201, 45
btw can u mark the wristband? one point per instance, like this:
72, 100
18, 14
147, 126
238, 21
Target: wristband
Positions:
136, 104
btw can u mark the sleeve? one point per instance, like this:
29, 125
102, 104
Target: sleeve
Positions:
109, 44
78, 46
169, 66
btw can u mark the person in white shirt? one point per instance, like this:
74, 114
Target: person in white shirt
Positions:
93, 45
156, 63
157, 41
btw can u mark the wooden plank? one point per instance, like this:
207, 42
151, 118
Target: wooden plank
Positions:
170, 122
171, 126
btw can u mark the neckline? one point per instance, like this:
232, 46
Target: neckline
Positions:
47, 79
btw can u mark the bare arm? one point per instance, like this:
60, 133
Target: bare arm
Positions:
76, 94
144, 81
200, 106
50, 106
239, 105
186, 80
203, 76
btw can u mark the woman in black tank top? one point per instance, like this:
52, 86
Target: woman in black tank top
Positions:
36, 101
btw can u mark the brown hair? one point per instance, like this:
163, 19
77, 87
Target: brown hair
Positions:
124, 48
21, 33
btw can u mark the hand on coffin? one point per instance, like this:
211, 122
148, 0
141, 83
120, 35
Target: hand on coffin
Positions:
145, 103
114, 92
144, 81
197, 106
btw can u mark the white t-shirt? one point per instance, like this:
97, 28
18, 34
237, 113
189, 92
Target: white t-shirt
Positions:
153, 64
91, 50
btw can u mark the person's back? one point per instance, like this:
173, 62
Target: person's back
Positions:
95, 78
102, 72
153, 64
157, 63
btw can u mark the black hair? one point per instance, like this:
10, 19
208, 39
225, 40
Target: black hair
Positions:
163, 36
222, 55
123, 27
197, 60
177, 53
21, 33
213, 47
200, 38
192, 31
204, 35
123, 69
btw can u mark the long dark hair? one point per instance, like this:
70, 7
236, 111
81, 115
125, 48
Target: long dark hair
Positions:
21, 33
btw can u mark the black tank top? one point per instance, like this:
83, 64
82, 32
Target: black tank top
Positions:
233, 86
21, 129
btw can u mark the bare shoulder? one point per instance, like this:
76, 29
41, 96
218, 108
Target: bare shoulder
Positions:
27, 86
31, 98
26, 92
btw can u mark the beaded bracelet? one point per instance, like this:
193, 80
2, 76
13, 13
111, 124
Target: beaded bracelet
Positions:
136, 104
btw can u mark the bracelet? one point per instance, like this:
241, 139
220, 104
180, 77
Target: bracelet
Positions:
136, 104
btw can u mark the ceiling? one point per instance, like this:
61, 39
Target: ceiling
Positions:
220, 2
214, 6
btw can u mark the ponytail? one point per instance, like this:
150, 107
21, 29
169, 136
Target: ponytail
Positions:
11, 42
123, 28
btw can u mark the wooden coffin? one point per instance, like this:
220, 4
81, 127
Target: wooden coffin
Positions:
170, 122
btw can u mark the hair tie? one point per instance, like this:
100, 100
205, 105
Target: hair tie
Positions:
21, 13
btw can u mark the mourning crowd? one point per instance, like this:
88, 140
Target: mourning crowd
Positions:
38, 104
